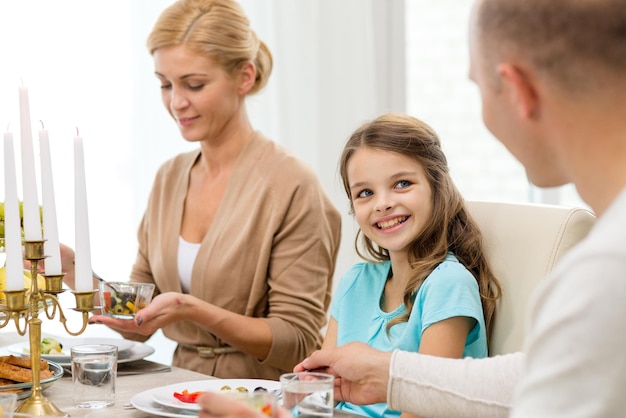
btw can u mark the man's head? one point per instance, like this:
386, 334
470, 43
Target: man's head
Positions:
529, 57
567, 41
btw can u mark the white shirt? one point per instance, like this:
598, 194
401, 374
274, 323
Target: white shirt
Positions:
574, 366
187, 252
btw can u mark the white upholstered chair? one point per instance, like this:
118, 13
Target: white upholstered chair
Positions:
522, 244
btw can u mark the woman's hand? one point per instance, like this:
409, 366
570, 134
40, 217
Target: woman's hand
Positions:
164, 309
128, 329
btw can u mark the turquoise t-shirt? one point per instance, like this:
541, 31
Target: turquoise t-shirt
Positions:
449, 291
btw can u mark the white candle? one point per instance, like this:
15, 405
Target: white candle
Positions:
50, 228
32, 220
84, 277
12, 234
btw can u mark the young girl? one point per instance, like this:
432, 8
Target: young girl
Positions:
426, 285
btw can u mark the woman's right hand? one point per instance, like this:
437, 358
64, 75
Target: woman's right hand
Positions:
128, 329
164, 309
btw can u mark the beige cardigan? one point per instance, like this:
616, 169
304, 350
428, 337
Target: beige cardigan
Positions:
270, 252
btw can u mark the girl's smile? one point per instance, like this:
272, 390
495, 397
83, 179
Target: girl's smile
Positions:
391, 196
390, 222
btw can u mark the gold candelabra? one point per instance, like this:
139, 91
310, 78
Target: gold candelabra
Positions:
23, 307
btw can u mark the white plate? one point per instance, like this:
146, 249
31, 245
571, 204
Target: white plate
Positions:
23, 348
161, 401
165, 395
137, 352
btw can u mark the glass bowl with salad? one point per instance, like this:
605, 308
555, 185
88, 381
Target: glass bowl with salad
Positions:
123, 300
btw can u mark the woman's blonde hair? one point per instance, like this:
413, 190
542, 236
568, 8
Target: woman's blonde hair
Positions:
451, 228
217, 28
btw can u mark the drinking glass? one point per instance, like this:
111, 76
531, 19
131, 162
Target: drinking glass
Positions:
308, 394
94, 370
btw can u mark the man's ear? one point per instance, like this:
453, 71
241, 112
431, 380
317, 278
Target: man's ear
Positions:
521, 90
247, 77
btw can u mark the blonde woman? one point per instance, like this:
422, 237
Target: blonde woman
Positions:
238, 235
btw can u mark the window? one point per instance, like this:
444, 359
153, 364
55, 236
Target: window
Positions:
440, 93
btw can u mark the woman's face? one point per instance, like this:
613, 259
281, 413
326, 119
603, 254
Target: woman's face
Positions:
391, 196
204, 100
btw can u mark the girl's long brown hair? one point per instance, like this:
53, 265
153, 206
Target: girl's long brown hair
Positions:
451, 229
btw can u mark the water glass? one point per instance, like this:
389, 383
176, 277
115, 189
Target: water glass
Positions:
308, 394
7, 404
94, 370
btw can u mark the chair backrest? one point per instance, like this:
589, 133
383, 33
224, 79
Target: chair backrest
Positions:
522, 244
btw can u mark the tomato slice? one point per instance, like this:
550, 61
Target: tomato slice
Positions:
107, 299
267, 410
188, 397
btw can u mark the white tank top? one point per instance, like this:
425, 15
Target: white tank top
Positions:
187, 253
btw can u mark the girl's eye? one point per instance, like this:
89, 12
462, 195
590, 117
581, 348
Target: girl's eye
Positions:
165, 86
364, 193
402, 184
196, 87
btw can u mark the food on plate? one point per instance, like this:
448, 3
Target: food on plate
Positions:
22, 361
260, 404
266, 409
17, 370
242, 389
188, 397
51, 345
227, 388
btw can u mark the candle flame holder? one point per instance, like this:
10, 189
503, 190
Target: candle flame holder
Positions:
23, 306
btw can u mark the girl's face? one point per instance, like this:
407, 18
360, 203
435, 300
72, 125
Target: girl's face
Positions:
201, 97
391, 196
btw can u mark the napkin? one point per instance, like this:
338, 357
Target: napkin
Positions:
133, 367
141, 367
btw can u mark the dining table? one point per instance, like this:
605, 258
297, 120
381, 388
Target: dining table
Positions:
132, 379
126, 386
